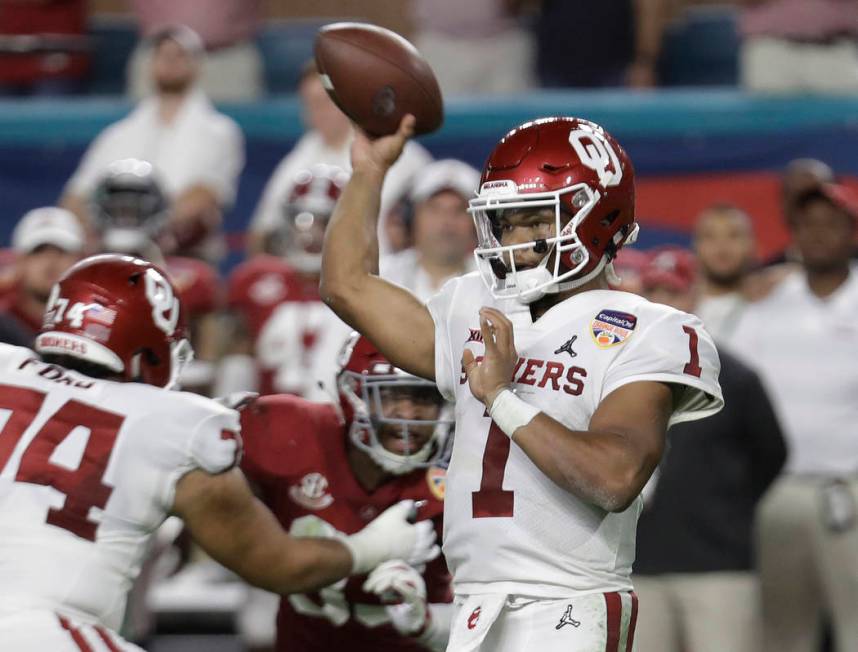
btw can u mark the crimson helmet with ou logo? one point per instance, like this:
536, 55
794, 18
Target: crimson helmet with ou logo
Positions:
372, 393
575, 167
306, 211
120, 313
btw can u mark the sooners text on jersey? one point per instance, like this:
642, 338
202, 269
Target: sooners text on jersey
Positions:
508, 528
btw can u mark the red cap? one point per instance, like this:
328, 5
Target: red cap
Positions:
842, 197
673, 267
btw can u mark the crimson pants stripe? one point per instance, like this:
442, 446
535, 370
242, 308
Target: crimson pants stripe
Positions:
632, 622
614, 609
104, 636
77, 637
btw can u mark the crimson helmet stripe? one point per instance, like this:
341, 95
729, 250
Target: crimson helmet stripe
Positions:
306, 207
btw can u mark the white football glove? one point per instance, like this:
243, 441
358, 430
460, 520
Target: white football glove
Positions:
392, 536
402, 588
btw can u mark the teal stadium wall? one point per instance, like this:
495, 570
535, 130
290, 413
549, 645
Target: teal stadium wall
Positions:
690, 147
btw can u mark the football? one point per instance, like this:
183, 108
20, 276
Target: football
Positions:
375, 77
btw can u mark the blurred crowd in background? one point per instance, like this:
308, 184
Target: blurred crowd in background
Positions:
53, 47
749, 530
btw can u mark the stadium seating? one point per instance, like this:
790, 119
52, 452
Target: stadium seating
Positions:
285, 47
114, 39
701, 49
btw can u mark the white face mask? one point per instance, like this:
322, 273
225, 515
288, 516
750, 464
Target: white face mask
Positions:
369, 415
496, 262
181, 355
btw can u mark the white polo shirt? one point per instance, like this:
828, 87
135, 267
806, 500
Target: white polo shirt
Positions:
404, 269
200, 147
721, 314
806, 350
311, 150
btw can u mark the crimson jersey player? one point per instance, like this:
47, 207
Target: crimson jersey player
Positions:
293, 336
131, 212
95, 453
257, 288
131, 215
197, 283
328, 471
259, 285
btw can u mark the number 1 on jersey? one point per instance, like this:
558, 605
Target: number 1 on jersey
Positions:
492, 500
693, 366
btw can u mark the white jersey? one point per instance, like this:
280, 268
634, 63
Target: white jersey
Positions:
88, 471
300, 345
721, 314
806, 351
404, 269
507, 527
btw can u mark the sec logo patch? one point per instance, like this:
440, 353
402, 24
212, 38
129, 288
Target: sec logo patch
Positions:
437, 480
312, 492
611, 328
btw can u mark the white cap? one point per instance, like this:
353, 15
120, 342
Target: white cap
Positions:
48, 226
447, 174
189, 40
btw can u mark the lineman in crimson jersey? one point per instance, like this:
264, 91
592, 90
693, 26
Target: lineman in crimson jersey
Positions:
563, 388
95, 453
131, 213
293, 336
334, 469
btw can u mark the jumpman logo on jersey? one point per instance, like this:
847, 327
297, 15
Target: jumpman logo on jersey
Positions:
567, 619
567, 347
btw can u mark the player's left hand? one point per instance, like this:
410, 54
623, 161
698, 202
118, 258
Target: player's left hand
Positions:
402, 588
494, 373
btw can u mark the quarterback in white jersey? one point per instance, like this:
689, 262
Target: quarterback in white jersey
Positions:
95, 453
564, 389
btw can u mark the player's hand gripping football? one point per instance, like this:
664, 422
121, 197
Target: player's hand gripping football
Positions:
377, 155
402, 588
488, 377
393, 535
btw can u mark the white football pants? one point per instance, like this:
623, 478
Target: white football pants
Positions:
597, 622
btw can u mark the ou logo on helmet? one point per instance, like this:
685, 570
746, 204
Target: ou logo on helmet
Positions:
165, 306
596, 152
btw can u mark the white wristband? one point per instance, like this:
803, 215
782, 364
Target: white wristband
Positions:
511, 413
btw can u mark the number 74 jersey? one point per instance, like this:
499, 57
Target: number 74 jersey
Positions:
507, 527
88, 471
